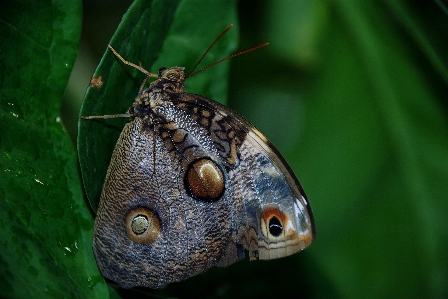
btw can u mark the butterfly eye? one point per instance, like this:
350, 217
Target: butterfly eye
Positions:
172, 74
205, 180
142, 225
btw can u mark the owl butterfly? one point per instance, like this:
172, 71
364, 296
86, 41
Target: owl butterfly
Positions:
191, 185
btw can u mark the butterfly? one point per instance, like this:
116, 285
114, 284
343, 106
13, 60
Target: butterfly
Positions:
192, 185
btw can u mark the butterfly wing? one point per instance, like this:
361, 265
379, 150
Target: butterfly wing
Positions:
271, 215
190, 187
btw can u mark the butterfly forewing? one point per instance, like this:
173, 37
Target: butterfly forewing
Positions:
266, 184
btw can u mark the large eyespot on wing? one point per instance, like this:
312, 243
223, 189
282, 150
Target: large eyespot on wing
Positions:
142, 225
205, 180
281, 236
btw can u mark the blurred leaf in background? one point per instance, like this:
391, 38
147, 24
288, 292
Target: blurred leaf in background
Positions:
353, 93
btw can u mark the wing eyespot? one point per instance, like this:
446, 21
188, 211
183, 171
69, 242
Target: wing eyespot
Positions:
142, 225
275, 226
205, 180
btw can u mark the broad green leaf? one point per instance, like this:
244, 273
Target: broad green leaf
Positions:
45, 224
156, 34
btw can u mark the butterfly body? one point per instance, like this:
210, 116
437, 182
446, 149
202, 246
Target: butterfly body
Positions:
190, 186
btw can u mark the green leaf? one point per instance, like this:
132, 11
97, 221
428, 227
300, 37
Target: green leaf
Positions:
45, 224
156, 34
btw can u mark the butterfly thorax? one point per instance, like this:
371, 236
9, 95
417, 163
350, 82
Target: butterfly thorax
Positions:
171, 81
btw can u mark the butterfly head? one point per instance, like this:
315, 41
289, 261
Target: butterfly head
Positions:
172, 75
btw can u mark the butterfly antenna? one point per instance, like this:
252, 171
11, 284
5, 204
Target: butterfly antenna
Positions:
211, 46
228, 57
